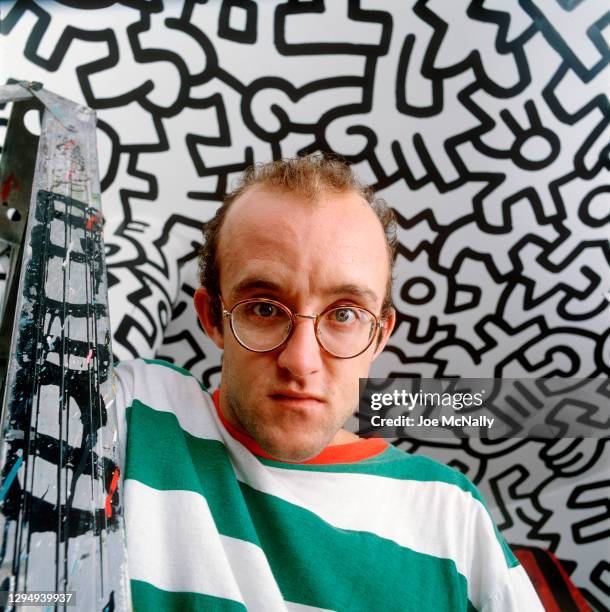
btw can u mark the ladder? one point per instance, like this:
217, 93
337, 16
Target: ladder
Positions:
61, 520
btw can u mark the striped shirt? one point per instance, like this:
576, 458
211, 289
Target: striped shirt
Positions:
212, 524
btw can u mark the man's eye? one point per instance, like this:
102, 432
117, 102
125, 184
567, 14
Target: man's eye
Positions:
264, 310
344, 315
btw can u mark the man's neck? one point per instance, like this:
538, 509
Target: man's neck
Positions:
343, 437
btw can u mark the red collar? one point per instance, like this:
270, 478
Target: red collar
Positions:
336, 453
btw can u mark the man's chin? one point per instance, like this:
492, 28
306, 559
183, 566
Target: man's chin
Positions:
294, 452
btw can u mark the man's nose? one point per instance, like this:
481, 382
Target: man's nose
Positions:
301, 355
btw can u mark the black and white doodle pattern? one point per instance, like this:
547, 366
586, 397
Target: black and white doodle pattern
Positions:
485, 124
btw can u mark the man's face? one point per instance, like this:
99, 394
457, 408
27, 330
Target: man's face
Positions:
307, 255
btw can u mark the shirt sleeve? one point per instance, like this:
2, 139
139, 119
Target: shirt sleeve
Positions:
499, 581
516, 595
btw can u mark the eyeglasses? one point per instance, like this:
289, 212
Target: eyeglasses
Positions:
262, 325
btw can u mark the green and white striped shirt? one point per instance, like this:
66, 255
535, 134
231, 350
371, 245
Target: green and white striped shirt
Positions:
212, 525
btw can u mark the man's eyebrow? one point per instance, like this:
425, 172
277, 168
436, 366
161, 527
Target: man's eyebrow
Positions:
355, 290
261, 284
346, 289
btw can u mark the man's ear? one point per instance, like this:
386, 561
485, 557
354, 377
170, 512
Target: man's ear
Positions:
386, 331
203, 306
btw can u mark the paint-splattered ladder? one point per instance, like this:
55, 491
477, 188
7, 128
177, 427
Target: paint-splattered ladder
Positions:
61, 518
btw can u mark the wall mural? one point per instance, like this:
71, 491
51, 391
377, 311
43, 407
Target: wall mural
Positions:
485, 124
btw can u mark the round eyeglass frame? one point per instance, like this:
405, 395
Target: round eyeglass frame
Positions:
228, 313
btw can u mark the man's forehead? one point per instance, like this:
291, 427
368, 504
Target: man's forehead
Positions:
332, 244
268, 207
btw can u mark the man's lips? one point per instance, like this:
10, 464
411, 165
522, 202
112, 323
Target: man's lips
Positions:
296, 398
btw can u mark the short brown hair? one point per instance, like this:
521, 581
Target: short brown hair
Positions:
308, 176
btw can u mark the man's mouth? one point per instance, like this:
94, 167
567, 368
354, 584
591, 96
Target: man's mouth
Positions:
296, 399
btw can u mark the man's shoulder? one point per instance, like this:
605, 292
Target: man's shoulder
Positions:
156, 383
398, 463
157, 396
134, 371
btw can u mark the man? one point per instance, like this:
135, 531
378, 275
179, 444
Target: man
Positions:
258, 498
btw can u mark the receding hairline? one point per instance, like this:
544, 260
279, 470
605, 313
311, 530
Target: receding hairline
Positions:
313, 200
